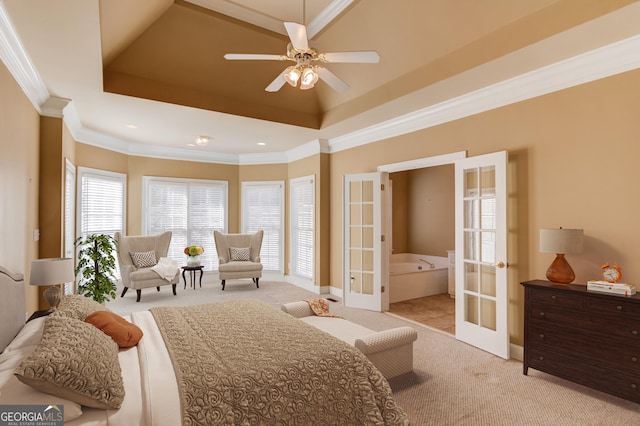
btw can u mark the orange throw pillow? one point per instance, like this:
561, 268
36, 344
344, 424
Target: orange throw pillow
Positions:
124, 333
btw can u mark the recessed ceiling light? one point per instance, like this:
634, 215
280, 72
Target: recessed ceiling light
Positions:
202, 140
132, 126
262, 143
191, 144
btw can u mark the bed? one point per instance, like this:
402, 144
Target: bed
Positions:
234, 362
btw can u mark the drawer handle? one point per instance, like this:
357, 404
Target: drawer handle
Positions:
554, 297
541, 314
634, 332
541, 358
541, 336
634, 359
619, 307
634, 386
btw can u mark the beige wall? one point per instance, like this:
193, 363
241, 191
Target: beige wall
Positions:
19, 177
572, 162
423, 211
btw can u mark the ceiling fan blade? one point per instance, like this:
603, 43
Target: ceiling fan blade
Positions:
367, 56
254, 56
298, 35
277, 83
331, 79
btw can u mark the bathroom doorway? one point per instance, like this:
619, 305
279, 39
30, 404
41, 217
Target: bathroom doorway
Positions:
422, 238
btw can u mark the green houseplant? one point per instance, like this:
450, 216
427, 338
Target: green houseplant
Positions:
96, 267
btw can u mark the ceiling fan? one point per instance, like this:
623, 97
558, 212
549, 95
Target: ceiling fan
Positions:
305, 71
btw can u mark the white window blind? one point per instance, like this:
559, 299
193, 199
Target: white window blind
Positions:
263, 208
191, 209
69, 216
102, 202
101, 209
302, 204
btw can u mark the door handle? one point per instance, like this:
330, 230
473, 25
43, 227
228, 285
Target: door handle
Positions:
500, 265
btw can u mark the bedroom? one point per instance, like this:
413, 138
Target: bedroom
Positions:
571, 152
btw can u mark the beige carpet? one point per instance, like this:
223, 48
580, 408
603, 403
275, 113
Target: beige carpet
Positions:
452, 383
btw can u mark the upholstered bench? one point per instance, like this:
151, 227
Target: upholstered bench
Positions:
391, 351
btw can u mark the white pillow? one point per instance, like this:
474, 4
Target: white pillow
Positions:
29, 335
13, 391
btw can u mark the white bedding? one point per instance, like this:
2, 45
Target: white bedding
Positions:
151, 392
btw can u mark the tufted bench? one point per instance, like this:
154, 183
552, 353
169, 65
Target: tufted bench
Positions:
391, 351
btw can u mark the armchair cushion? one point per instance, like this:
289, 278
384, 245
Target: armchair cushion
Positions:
240, 253
143, 259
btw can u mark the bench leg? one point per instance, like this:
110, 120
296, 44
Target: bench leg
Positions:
139, 294
223, 284
124, 291
174, 289
256, 280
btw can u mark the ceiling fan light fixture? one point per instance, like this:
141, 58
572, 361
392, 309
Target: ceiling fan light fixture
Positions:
309, 78
292, 75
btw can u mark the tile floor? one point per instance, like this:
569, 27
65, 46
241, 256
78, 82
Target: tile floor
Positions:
434, 311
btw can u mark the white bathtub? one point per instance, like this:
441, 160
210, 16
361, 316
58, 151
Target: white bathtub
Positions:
410, 276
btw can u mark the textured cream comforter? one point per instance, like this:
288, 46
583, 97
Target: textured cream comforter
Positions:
245, 362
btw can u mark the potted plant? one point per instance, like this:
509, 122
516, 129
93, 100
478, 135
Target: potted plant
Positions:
96, 267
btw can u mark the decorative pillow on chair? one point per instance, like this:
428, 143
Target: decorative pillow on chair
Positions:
143, 259
76, 361
240, 253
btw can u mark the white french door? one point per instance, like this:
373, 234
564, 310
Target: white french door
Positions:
366, 256
481, 250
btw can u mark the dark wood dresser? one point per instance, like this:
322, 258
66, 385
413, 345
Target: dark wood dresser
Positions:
588, 338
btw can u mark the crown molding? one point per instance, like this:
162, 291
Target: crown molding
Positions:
599, 63
324, 18
603, 62
17, 60
242, 13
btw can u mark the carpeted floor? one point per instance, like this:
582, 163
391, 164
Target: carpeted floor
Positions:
452, 383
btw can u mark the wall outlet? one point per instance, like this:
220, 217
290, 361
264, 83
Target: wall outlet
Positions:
36, 235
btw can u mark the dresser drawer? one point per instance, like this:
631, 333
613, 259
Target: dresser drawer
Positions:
614, 352
553, 315
557, 298
614, 306
620, 383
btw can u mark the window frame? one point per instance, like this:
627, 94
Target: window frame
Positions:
293, 227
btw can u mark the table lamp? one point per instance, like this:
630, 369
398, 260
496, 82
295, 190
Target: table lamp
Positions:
561, 241
51, 272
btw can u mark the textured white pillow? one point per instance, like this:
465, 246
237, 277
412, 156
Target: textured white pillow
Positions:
240, 253
143, 259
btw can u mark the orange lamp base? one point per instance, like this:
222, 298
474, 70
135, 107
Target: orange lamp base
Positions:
560, 271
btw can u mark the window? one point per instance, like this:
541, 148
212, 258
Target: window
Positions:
102, 202
101, 209
69, 216
263, 208
191, 209
302, 200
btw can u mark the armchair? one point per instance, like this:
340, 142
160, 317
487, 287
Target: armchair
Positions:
239, 256
142, 276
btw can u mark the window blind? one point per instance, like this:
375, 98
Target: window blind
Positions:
102, 203
302, 226
191, 210
69, 216
263, 208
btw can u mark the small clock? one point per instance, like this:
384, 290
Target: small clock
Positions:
611, 273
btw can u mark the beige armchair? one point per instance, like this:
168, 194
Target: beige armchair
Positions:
142, 276
239, 256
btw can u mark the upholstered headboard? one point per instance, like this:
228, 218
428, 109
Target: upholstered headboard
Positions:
12, 308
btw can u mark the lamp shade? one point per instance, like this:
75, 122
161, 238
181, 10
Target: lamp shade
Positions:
559, 240
51, 271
